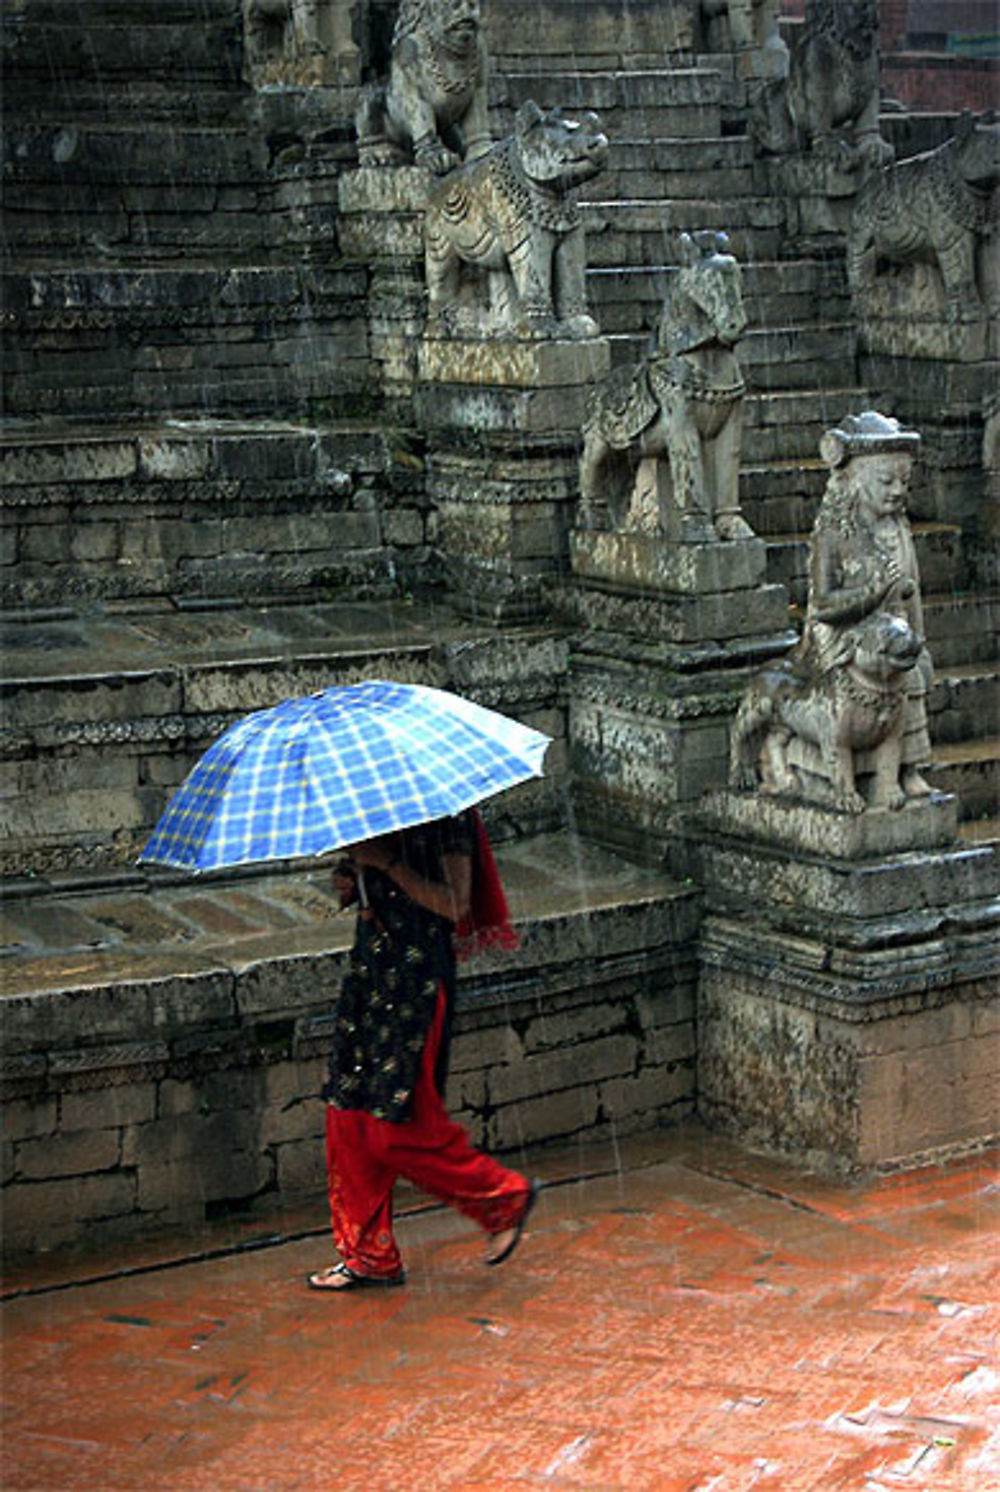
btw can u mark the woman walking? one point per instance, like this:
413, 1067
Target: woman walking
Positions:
426, 896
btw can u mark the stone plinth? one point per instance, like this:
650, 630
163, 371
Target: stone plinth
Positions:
849, 976
820, 195
503, 417
380, 224
644, 563
666, 634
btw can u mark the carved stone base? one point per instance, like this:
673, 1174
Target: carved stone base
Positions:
902, 332
848, 992
503, 419
508, 362
642, 562
890, 1064
819, 193
382, 212
922, 824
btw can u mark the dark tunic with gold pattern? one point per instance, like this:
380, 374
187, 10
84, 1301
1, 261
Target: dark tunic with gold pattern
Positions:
402, 955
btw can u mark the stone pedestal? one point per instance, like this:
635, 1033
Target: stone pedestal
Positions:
848, 1006
666, 634
819, 194
381, 225
503, 418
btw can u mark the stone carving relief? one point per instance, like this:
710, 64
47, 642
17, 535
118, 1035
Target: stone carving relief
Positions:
937, 208
842, 720
509, 221
297, 42
661, 437
432, 110
829, 108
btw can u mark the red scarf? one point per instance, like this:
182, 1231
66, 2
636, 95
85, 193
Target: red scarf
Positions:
487, 922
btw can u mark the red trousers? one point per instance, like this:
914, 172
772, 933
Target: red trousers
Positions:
365, 1155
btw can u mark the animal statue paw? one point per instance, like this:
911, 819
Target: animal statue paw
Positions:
436, 158
733, 526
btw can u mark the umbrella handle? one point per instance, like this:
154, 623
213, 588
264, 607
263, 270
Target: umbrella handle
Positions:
359, 876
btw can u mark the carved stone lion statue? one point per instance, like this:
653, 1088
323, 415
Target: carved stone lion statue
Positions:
510, 217
433, 108
795, 729
936, 208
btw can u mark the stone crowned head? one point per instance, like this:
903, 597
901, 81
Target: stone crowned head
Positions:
867, 434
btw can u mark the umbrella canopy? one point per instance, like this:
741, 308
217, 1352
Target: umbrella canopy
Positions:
345, 764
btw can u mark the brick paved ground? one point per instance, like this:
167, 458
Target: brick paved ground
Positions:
699, 1320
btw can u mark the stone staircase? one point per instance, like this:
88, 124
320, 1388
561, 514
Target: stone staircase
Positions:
203, 512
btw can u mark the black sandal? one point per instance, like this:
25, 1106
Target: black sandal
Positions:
354, 1280
535, 1188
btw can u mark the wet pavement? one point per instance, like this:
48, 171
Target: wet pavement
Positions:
681, 1315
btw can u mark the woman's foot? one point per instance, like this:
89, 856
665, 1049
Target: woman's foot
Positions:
340, 1277
503, 1244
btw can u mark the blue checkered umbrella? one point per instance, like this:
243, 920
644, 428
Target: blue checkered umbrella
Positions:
313, 774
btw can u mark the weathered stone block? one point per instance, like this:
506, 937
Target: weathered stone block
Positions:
72, 1154
119, 1107
555, 1070
548, 1117
41, 1209
300, 1167
635, 561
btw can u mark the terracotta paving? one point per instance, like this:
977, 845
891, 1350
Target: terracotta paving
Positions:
681, 1316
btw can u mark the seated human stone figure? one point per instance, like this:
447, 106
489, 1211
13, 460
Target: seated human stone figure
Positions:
661, 437
850, 701
509, 221
432, 110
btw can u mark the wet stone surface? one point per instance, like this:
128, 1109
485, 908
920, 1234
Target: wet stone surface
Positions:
681, 1315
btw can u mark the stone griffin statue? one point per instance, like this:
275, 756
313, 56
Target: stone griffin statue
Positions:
849, 704
935, 208
676, 414
432, 111
510, 217
830, 105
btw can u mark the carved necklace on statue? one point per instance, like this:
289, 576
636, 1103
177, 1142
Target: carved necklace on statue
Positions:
559, 214
441, 64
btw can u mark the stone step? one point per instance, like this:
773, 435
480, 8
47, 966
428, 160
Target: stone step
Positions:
962, 628
629, 233
61, 56
195, 1018
964, 702
783, 357
782, 497
971, 770
784, 292
787, 426
675, 168
658, 104
205, 508
105, 711
182, 339
522, 34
